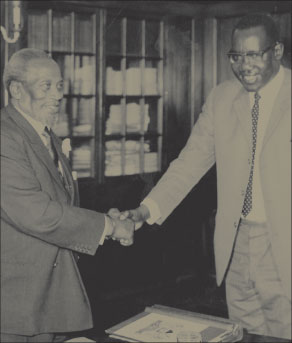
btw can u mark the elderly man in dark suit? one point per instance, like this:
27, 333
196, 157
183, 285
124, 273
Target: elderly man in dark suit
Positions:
42, 227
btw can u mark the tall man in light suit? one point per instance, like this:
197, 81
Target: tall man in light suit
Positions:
42, 227
245, 127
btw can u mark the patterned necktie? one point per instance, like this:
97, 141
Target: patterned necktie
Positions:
247, 205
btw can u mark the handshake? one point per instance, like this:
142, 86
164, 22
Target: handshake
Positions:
124, 224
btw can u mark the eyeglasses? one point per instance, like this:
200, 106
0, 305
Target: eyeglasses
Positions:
251, 56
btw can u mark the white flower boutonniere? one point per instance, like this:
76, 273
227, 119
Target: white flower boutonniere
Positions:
66, 147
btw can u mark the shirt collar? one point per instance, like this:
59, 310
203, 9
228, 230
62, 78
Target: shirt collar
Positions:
37, 125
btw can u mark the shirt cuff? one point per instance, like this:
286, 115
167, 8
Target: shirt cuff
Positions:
107, 226
153, 210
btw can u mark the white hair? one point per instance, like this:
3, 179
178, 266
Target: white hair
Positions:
16, 68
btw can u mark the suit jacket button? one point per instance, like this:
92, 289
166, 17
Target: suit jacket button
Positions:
55, 265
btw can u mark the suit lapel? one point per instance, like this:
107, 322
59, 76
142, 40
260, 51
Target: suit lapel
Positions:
241, 107
36, 142
281, 106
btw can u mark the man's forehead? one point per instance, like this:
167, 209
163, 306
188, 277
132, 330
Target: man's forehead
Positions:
43, 67
42, 63
254, 36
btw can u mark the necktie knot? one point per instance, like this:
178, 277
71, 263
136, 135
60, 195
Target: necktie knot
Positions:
47, 134
47, 131
256, 96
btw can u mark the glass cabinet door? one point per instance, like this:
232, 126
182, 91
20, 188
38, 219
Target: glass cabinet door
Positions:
133, 96
70, 38
112, 110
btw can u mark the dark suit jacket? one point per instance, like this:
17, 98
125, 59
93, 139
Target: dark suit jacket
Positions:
41, 230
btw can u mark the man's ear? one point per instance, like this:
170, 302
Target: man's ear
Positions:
15, 89
279, 50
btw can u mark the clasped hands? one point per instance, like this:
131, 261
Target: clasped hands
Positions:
125, 223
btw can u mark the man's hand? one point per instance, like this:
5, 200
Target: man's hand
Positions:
123, 230
138, 215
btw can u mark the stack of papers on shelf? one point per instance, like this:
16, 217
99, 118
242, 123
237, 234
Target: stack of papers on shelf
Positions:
113, 157
150, 77
114, 82
86, 111
113, 164
82, 130
133, 81
131, 146
84, 75
151, 162
133, 118
83, 111
162, 324
114, 121
81, 160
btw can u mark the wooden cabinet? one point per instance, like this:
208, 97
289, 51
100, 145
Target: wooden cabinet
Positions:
135, 80
112, 111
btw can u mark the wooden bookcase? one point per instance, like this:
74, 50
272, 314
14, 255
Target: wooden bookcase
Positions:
112, 111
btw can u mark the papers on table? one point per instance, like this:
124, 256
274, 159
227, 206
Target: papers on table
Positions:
163, 324
80, 340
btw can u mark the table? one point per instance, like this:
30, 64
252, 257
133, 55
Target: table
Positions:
247, 338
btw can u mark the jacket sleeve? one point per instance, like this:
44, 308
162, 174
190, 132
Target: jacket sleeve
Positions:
29, 209
193, 162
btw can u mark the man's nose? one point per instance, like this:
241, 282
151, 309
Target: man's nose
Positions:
57, 93
246, 64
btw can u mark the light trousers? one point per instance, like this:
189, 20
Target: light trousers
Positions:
254, 292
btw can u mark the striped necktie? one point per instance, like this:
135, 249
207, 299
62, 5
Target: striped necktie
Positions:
247, 205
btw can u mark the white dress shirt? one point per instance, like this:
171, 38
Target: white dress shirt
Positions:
268, 96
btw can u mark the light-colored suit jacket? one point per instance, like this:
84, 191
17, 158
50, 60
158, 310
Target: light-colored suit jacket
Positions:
42, 229
222, 134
